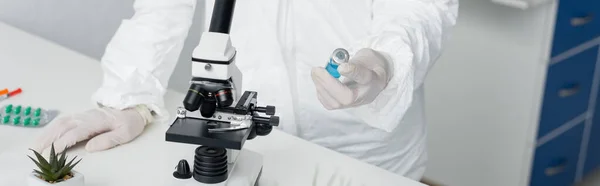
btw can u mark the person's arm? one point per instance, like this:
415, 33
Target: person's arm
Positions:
137, 65
409, 34
143, 53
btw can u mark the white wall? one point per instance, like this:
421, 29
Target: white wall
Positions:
483, 95
87, 26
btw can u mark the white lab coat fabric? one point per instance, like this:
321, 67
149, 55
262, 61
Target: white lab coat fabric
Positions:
278, 42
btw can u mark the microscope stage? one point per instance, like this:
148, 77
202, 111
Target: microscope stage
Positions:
195, 131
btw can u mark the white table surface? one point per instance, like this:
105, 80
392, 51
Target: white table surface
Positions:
43, 70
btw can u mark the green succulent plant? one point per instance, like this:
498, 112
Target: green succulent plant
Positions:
56, 169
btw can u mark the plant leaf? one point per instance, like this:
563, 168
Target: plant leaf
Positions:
45, 176
40, 173
49, 174
41, 159
70, 167
73, 166
70, 162
53, 160
57, 168
63, 158
63, 172
45, 171
52, 153
38, 164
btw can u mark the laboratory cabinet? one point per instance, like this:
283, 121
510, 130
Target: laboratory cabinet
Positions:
513, 100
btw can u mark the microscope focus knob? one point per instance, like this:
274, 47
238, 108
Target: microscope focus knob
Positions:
272, 121
263, 129
269, 110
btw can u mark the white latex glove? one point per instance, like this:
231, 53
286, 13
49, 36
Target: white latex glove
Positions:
105, 126
365, 76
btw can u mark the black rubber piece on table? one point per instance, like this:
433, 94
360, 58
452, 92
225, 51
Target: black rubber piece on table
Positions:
183, 170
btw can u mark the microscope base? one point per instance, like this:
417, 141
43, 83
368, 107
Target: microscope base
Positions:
244, 172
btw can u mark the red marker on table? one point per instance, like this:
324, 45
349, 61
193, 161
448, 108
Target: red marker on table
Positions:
10, 94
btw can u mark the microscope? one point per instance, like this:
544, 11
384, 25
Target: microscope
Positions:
215, 114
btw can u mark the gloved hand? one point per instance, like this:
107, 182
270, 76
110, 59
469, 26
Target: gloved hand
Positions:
105, 126
366, 75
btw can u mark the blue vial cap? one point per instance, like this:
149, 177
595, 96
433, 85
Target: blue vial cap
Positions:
332, 69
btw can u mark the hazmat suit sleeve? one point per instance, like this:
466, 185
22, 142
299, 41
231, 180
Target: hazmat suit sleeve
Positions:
142, 55
409, 33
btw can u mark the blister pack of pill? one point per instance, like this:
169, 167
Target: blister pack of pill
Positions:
26, 116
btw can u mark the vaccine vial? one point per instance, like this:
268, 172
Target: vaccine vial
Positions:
338, 57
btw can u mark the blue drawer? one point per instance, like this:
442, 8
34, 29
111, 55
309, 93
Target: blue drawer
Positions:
555, 163
567, 90
577, 21
592, 160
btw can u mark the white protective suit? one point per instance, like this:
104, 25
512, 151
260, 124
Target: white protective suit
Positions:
278, 42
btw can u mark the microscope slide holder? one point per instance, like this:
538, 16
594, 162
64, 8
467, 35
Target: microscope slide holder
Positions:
195, 131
